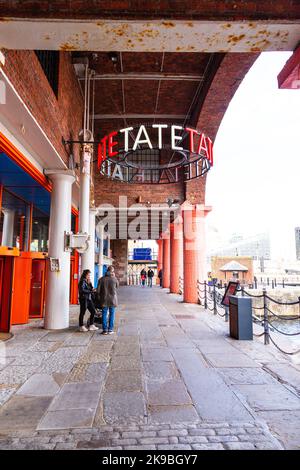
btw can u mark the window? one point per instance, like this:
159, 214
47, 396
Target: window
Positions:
49, 61
14, 221
39, 231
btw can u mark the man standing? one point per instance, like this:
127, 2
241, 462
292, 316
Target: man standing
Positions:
160, 277
150, 277
108, 300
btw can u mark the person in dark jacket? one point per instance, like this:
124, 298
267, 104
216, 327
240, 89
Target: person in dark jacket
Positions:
108, 300
143, 277
86, 289
150, 275
160, 277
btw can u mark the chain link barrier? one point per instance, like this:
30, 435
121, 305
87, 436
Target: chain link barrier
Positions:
210, 297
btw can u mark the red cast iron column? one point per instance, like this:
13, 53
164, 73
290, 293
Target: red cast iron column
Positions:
176, 254
166, 260
194, 256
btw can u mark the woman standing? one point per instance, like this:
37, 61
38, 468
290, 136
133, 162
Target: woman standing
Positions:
86, 302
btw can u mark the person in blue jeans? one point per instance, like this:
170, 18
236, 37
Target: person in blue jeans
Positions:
108, 299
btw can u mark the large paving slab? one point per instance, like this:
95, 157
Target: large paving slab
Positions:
288, 375
126, 363
285, 425
124, 408
124, 381
171, 392
269, 397
77, 396
173, 414
246, 376
64, 419
156, 370
226, 359
211, 396
156, 354
39, 385
23, 412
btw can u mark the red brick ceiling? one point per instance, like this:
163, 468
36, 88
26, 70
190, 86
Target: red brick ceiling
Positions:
183, 9
147, 96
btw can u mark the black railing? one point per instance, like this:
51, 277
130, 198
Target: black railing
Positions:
210, 297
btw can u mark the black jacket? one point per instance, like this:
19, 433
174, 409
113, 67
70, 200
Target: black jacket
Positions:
85, 290
107, 291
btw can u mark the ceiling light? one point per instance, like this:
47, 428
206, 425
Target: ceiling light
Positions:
113, 57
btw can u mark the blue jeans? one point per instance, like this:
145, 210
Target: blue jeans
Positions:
111, 318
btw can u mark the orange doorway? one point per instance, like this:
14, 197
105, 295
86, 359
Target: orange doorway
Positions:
37, 288
6, 273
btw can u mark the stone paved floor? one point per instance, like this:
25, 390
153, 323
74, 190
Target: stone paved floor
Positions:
169, 379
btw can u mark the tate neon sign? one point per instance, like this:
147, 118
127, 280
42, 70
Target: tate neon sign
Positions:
187, 153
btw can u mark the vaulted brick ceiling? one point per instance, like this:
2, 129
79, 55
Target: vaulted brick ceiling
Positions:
204, 9
149, 87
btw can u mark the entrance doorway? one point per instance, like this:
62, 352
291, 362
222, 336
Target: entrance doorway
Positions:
37, 288
6, 270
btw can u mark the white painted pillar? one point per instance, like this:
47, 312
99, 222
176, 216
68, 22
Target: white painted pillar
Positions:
8, 227
88, 258
58, 282
84, 204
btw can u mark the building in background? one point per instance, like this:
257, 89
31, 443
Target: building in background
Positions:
237, 268
256, 246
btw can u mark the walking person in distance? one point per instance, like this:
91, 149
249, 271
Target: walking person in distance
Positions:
150, 275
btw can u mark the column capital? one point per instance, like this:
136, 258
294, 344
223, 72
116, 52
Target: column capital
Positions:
202, 209
93, 210
60, 174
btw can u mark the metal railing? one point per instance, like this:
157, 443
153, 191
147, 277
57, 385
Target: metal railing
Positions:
210, 297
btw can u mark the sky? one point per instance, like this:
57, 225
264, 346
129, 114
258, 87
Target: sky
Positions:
255, 182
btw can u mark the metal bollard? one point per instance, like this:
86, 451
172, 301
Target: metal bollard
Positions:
266, 322
226, 314
205, 295
215, 300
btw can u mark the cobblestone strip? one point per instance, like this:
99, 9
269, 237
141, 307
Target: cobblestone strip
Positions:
200, 436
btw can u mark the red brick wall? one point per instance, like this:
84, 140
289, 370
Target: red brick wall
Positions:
120, 255
108, 191
58, 116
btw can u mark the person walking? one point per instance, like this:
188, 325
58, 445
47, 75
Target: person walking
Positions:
86, 289
150, 275
160, 277
143, 277
108, 300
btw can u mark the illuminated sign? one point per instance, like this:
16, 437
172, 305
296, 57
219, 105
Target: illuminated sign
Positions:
155, 153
